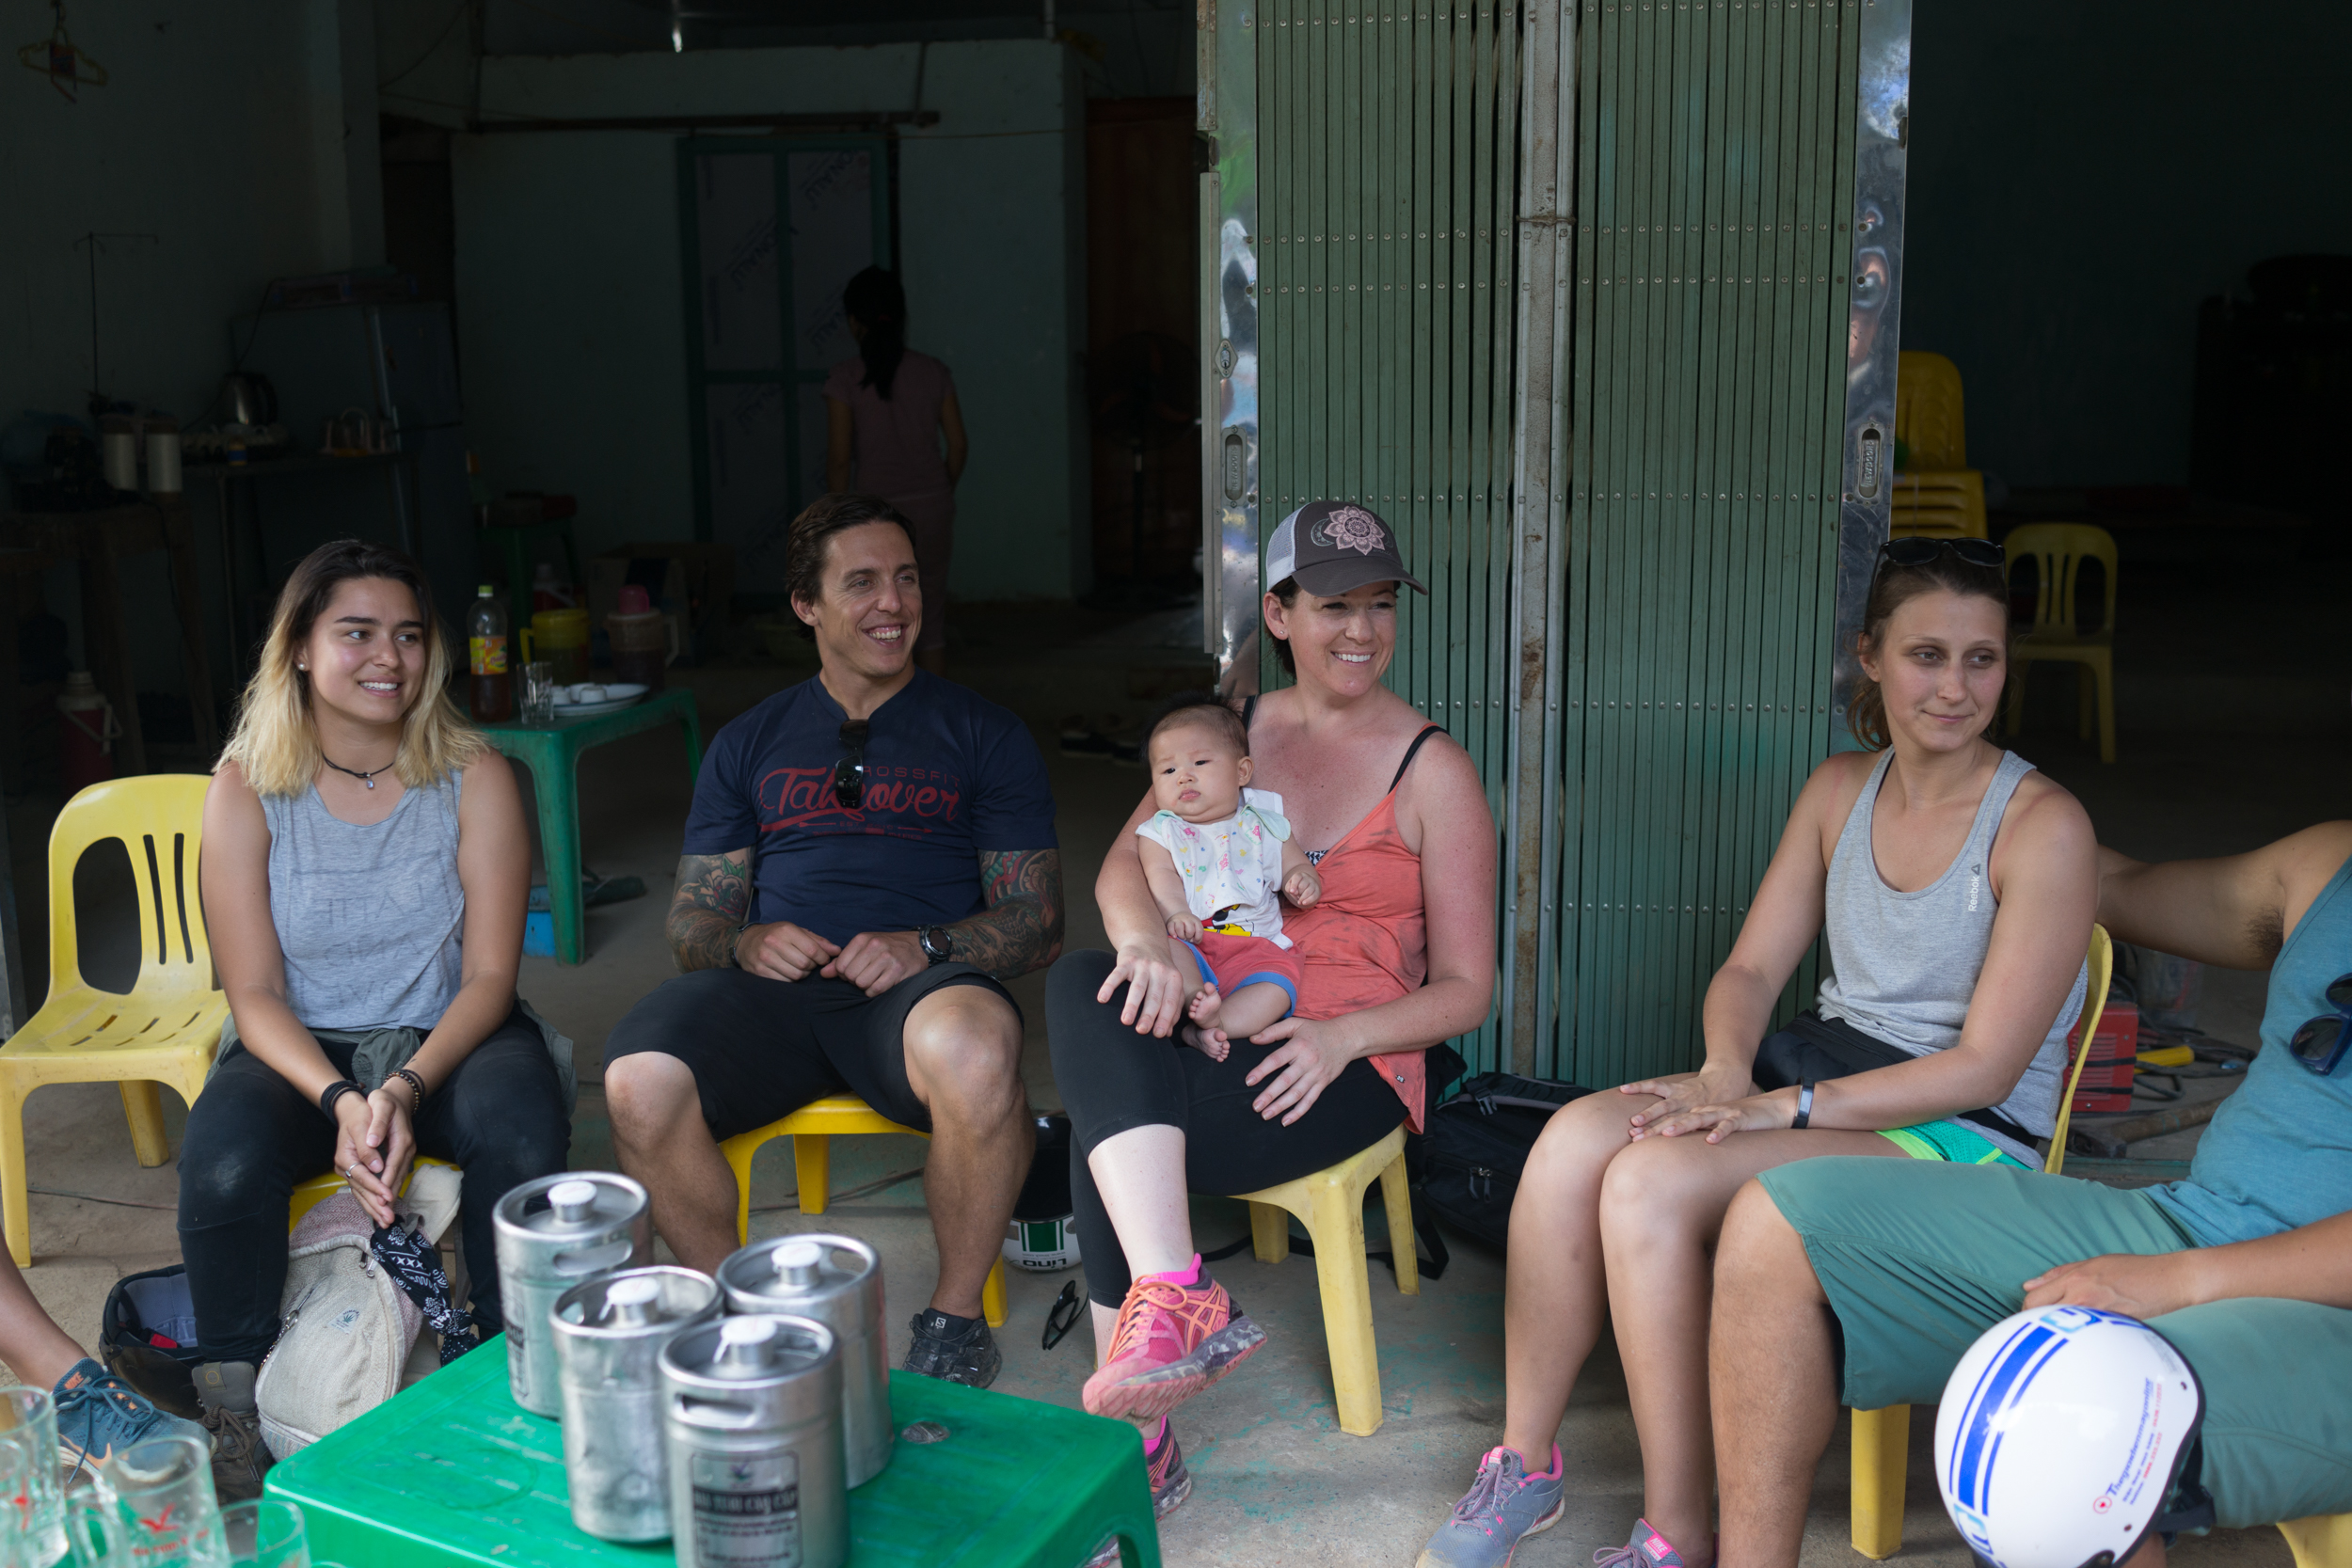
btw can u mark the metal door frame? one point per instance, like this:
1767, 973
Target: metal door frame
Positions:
792, 375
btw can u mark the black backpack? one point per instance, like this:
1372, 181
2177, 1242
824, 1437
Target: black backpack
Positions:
1476, 1145
147, 1337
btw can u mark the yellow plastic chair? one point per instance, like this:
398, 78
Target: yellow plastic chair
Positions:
2058, 552
168, 1028
1331, 1202
1930, 417
1882, 1438
812, 1130
1937, 503
310, 1194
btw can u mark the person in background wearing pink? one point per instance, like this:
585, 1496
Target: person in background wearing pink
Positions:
888, 409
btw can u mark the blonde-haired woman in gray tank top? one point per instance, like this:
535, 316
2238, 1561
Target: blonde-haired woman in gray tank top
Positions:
365, 870
1956, 887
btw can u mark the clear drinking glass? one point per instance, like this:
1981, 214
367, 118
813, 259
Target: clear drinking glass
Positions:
32, 1504
159, 1495
265, 1534
538, 694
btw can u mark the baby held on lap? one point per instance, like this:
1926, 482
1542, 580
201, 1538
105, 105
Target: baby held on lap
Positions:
1218, 857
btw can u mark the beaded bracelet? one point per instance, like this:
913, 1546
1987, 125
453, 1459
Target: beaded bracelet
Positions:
334, 1092
416, 1087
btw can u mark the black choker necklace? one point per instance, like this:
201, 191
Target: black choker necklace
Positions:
367, 777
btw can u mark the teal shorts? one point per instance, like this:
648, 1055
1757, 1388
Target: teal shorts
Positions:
1919, 1259
1954, 1143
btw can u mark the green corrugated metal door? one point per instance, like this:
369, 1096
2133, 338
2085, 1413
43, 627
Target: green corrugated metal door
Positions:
1386, 166
1714, 170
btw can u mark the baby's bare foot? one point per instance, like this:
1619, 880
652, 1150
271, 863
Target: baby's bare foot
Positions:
1206, 1008
1209, 1040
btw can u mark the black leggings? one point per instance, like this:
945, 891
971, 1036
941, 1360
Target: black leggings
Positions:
252, 1138
1113, 1079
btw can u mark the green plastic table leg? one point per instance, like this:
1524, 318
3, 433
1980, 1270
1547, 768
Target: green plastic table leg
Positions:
555, 764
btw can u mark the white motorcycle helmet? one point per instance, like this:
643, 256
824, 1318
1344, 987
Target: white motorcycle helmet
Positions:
2061, 1436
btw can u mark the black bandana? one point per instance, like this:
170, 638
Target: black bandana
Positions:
416, 1267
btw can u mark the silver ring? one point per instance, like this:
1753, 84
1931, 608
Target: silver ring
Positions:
351, 1170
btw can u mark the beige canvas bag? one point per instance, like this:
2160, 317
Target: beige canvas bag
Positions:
348, 1330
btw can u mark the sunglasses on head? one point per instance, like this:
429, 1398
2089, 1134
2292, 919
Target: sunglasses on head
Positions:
2322, 1041
1919, 552
849, 773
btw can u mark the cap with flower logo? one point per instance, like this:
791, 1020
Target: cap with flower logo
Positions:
1332, 546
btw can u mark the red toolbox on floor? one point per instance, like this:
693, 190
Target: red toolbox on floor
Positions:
2106, 1081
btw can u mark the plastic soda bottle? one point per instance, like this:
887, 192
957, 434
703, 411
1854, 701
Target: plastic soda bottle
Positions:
485, 641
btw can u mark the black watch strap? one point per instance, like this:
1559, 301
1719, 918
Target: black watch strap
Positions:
1805, 1107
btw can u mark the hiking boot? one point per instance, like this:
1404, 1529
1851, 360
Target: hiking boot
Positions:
233, 1419
1503, 1506
1172, 1483
954, 1350
99, 1416
1171, 1342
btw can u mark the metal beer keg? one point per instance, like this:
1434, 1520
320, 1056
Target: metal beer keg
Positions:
552, 1233
752, 1414
608, 1334
836, 1280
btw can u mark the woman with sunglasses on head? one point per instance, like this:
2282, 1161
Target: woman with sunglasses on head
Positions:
365, 870
1956, 887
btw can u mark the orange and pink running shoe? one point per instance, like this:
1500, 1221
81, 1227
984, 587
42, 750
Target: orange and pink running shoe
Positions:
1171, 1341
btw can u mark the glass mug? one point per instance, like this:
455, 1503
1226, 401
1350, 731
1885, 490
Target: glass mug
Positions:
265, 1534
152, 1506
32, 1503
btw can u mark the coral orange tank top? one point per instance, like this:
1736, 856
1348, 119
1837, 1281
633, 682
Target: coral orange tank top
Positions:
1366, 941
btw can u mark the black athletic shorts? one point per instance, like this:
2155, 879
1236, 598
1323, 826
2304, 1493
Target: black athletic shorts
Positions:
761, 1049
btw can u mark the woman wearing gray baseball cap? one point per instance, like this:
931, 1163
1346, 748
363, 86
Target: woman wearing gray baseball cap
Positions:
1397, 955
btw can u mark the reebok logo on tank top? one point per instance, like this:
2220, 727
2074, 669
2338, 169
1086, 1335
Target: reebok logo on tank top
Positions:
1975, 886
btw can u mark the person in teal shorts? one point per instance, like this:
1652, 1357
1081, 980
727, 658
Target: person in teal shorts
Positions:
1862, 1282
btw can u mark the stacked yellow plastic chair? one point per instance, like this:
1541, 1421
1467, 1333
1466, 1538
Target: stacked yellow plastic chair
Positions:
1936, 496
168, 1028
2058, 552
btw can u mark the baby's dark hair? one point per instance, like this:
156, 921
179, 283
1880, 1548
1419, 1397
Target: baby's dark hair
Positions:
1197, 708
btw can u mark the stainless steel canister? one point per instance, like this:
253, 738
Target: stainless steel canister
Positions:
553, 1234
608, 1334
752, 1414
836, 1280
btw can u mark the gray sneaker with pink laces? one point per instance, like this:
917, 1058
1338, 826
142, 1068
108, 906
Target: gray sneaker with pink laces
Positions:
1503, 1506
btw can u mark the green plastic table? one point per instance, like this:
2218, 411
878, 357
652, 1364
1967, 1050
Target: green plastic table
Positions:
552, 754
454, 1472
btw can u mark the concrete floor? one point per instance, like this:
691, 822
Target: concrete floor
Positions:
1274, 1481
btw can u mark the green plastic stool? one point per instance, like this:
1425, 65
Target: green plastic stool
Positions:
454, 1472
552, 755
514, 550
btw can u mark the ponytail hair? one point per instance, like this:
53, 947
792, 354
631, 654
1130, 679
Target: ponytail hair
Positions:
876, 302
1893, 587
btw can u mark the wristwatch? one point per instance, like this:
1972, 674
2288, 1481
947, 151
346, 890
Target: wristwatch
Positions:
939, 945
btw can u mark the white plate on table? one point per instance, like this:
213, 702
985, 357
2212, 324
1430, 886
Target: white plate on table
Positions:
602, 699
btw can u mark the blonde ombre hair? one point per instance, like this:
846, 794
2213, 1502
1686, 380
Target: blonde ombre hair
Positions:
276, 745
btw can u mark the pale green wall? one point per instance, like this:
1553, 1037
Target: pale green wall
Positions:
569, 277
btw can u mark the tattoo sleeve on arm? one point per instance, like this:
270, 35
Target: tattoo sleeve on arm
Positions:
1021, 929
713, 892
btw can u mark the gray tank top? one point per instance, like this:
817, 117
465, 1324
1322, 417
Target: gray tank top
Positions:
1906, 963
371, 919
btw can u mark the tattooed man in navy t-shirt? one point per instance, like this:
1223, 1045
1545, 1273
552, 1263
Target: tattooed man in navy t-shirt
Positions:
871, 853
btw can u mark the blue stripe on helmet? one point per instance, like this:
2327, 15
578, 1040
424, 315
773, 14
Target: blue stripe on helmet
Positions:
1971, 1468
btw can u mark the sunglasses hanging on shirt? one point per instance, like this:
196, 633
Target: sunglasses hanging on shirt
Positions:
2320, 1044
849, 773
